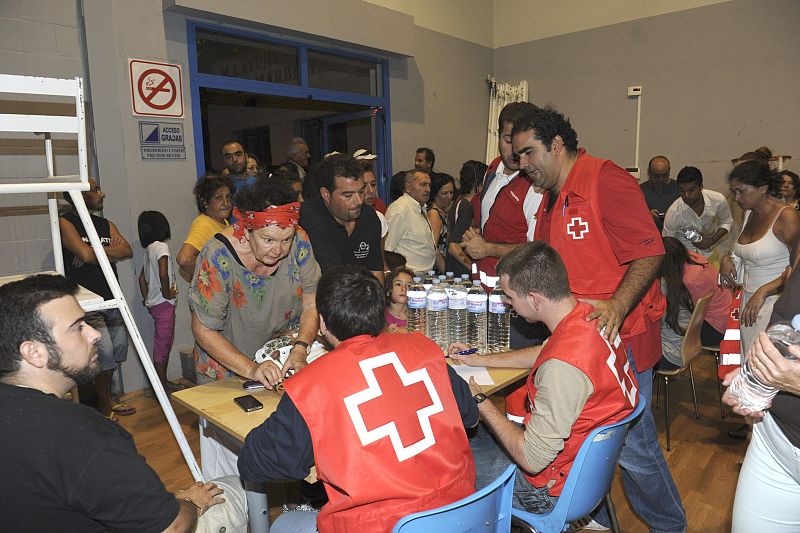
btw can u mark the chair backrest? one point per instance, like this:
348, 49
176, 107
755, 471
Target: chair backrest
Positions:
589, 478
488, 510
691, 346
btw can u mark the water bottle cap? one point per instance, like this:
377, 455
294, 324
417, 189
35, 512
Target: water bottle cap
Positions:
449, 274
476, 282
796, 322
431, 272
417, 279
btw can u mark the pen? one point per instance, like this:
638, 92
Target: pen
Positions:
464, 352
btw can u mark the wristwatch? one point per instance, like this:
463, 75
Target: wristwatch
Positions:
304, 344
479, 397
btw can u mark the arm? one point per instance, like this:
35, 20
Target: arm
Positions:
612, 312
120, 249
456, 251
436, 225
143, 285
477, 247
521, 358
163, 276
229, 356
200, 496
187, 258
309, 325
710, 240
280, 448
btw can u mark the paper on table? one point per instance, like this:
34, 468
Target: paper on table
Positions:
481, 375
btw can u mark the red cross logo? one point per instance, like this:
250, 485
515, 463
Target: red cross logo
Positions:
577, 228
735, 314
409, 396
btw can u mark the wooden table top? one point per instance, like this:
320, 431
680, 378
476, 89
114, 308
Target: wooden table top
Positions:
214, 401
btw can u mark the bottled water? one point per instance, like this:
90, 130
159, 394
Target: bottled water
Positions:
465, 281
450, 277
457, 312
476, 317
692, 235
499, 321
436, 326
417, 302
750, 391
428, 280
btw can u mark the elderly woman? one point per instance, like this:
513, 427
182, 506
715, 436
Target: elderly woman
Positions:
253, 281
214, 203
769, 234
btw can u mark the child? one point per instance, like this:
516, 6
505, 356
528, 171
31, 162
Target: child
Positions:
397, 283
157, 283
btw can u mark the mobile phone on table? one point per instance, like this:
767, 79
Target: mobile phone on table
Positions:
248, 403
252, 384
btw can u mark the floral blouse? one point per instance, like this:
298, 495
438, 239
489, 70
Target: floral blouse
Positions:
246, 308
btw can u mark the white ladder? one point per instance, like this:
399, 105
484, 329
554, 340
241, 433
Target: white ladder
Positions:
73, 185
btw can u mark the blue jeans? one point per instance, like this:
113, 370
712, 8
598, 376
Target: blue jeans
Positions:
491, 460
645, 475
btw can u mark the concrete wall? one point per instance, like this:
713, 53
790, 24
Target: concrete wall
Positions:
718, 81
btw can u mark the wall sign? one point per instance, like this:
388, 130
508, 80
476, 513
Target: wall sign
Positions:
156, 88
161, 140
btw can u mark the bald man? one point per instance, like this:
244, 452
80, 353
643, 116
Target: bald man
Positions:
659, 190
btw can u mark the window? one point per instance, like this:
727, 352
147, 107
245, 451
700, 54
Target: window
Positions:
237, 57
345, 74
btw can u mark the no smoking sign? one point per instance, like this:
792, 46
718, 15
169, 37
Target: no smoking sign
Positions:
156, 88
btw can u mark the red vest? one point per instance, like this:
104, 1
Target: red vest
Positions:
577, 342
578, 234
387, 434
506, 223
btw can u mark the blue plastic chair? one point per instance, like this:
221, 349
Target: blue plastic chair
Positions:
489, 509
589, 479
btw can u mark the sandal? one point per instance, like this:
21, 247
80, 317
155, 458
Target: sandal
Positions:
123, 409
112, 418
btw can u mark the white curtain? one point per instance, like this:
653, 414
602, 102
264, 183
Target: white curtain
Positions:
501, 94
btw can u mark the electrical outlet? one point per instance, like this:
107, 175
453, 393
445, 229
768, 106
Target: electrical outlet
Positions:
635, 90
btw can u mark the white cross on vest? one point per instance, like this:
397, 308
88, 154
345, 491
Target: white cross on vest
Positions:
577, 228
425, 408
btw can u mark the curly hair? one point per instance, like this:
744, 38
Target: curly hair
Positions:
206, 186
546, 123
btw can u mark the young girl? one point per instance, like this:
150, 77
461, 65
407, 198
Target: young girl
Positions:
397, 283
157, 283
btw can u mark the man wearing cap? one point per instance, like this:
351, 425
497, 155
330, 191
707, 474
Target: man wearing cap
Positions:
342, 228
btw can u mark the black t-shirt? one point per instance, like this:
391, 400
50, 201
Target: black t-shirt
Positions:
86, 274
281, 447
459, 220
662, 200
330, 242
65, 468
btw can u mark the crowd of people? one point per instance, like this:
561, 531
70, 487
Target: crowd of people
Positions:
310, 252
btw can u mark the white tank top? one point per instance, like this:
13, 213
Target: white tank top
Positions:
762, 260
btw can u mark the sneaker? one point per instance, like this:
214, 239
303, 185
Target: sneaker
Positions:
587, 524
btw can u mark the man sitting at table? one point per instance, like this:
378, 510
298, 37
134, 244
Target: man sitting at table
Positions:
382, 416
579, 381
65, 467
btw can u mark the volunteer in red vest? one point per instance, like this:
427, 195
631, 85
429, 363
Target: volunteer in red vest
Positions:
504, 216
594, 214
579, 381
382, 416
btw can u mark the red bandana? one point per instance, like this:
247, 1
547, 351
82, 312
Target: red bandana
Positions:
283, 216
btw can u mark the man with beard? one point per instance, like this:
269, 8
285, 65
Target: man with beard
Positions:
236, 166
64, 467
343, 229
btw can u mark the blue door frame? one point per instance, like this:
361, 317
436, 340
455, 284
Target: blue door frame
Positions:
198, 80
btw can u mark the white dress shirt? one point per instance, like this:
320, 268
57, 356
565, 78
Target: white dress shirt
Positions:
410, 233
529, 206
681, 218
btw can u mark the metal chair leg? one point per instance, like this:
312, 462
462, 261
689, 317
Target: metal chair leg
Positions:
612, 513
694, 394
658, 390
719, 390
666, 407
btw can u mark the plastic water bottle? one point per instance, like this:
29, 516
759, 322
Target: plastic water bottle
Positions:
750, 391
692, 235
498, 335
428, 280
417, 303
476, 317
465, 281
437, 315
457, 312
450, 277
